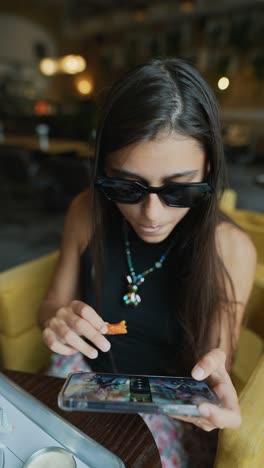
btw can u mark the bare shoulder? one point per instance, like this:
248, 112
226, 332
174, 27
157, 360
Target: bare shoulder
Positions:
238, 254
80, 204
78, 225
233, 242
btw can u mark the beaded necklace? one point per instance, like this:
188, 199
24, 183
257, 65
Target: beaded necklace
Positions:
134, 280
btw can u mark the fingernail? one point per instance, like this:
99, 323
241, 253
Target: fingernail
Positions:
204, 411
93, 354
105, 346
198, 373
103, 330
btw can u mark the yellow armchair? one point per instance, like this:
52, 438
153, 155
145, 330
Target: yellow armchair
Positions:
255, 307
228, 200
21, 291
244, 447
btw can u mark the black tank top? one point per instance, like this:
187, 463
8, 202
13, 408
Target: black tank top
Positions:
153, 333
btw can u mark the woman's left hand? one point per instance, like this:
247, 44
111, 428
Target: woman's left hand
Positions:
212, 368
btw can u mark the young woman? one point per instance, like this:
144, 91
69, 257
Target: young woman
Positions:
147, 243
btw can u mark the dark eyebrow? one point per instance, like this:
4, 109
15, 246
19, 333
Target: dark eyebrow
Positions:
121, 173
181, 174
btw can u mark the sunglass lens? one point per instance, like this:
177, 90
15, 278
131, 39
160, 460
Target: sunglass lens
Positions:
184, 197
122, 192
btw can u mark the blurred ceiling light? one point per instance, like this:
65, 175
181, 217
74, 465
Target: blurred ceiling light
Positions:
186, 6
48, 66
72, 64
223, 83
84, 86
139, 15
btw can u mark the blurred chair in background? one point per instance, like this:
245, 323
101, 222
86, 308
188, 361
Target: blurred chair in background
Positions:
244, 154
66, 176
15, 165
240, 142
259, 179
52, 179
19, 174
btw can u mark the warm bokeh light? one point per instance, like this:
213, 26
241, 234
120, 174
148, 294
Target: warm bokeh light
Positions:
48, 66
139, 15
42, 108
72, 64
84, 86
186, 6
223, 83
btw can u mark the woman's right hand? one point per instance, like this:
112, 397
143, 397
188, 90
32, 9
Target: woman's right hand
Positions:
62, 333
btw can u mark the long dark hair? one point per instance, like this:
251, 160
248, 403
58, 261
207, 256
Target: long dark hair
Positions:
170, 95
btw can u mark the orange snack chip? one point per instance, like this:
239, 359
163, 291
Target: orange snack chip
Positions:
117, 328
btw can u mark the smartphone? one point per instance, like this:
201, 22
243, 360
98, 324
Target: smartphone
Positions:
122, 393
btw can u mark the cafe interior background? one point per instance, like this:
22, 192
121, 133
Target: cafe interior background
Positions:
57, 60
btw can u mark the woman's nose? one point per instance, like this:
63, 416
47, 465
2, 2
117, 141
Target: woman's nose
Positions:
152, 207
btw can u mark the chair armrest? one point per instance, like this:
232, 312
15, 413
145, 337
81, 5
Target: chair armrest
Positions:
255, 307
228, 201
250, 348
244, 447
22, 289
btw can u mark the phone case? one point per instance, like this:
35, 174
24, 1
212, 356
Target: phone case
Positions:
91, 391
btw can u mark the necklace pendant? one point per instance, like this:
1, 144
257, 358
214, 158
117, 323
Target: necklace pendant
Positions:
134, 281
131, 298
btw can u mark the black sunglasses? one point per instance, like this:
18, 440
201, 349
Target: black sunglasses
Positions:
182, 195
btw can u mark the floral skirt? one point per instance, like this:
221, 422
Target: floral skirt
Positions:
177, 442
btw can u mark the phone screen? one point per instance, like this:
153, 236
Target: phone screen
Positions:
138, 389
